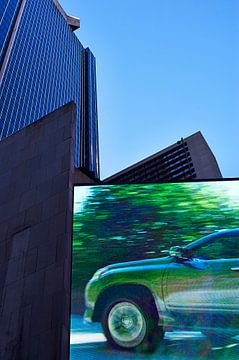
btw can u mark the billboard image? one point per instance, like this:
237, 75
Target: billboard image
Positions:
155, 271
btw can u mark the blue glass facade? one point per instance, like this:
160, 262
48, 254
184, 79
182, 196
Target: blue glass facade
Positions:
43, 71
8, 12
89, 120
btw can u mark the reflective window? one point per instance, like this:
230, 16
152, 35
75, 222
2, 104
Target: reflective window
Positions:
222, 247
44, 72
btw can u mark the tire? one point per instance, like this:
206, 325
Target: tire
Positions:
130, 324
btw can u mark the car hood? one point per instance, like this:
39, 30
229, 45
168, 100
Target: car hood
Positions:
148, 262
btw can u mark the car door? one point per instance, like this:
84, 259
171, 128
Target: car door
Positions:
204, 289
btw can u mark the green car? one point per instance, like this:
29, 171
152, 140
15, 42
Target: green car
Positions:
196, 287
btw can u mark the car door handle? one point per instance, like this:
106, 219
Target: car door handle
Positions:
235, 269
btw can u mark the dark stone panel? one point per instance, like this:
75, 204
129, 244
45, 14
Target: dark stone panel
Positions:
16, 223
38, 177
19, 171
25, 321
3, 254
14, 272
33, 164
36, 183
43, 190
63, 148
55, 137
33, 353
67, 115
46, 254
57, 225
21, 185
58, 304
54, 168
41, 315
53, 279
27, 150
65, 163
9, 209
4, 178
20, 241
33, 287
34, 214
49, 155
6, 193
5, 156
3, 272
28, 199
3, 231
67, 132
65, 342
31, 261
50, 207
61, 248
51, 128
34, 132
8, 248
60, 183
67, 274
64, 200
39, 234
10, 327
50, 344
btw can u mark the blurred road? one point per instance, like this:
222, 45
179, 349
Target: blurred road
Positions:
88, 342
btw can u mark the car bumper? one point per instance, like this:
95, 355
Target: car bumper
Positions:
88, 315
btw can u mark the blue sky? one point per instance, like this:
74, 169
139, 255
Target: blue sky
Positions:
165, 69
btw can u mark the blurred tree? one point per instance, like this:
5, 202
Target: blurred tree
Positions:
130, 222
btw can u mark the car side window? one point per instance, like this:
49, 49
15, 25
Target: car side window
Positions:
222, 247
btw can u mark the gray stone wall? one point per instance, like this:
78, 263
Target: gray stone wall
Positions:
204, 161
36, 183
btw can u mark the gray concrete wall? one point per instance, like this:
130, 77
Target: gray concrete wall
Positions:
204, 161
36, 184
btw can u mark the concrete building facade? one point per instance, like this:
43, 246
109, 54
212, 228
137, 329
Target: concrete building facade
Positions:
37, 174
189, 158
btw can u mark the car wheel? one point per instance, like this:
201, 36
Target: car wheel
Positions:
129, 324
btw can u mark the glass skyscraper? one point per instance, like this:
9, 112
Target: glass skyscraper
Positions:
43, 67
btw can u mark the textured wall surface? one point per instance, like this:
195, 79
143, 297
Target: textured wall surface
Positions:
204, 161
36, 183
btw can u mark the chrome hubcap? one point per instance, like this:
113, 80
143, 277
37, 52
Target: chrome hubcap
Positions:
126, 324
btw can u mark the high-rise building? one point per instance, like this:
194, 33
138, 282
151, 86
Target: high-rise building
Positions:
43, 66
188, 158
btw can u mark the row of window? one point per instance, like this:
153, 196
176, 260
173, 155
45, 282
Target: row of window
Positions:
8, 11
175, 163
43, 72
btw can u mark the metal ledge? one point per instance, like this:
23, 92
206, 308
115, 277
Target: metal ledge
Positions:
72, 21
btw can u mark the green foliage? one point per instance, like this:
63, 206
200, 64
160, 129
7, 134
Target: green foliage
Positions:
124, 223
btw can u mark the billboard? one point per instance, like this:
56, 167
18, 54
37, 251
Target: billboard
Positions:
155, 271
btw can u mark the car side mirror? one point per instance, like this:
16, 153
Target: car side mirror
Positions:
179, 252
